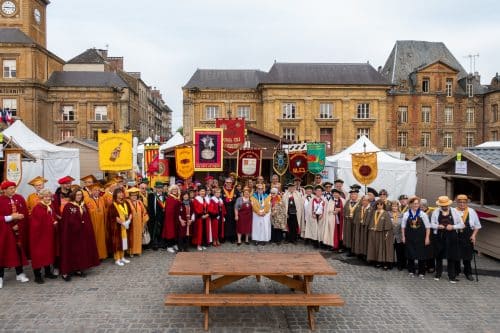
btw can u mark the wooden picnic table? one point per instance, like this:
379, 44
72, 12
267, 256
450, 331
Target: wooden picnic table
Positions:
219, 269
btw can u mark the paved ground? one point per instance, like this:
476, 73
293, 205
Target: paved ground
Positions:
130, 299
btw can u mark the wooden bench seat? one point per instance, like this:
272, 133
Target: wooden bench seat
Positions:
311, 301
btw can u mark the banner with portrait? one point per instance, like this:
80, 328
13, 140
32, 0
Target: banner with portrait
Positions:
280, 162
234, 133
115, 151
13, 169
184, 162
365, 167
249, 162
316, 153
208, 149
298, 163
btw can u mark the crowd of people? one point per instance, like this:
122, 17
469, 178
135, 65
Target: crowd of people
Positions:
73, 229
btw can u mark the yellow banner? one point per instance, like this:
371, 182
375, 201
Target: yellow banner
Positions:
184, 162
364, 167
13, 167
115, 151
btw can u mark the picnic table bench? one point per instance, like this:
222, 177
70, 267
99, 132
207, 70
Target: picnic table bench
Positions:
295, 270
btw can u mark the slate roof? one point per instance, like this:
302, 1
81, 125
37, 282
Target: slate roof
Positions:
14, 36
225, 78
90, 56
409, 55
86, 79
491, 155
324, 73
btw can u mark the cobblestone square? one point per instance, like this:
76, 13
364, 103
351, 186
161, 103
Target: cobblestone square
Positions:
130, 299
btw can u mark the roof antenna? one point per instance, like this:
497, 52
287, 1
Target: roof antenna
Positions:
472, 62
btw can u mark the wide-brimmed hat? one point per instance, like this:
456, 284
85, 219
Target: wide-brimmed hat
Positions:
443, 201
39, 180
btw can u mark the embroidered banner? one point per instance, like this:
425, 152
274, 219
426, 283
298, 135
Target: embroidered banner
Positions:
208, 149
13, 170
249, 162
234, 133
364, 167
280, 162
115, 151
316, 153
184, 163
298, 163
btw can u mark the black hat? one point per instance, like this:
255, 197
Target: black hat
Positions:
354, 190
297, 179
338, 180
308, 187
383, 191
202, 187
356, 187
372, 191
290, 184
336, 191
403, 196
159, 184
319, 187
327, 184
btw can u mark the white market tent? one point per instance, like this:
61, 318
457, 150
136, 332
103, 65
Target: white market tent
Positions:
175, 140
395, 175
52, 162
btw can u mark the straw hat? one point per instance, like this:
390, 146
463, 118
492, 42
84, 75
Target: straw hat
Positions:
443, 201
39, 180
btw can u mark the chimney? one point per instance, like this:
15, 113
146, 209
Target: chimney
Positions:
379, 69
477, 77
103, 53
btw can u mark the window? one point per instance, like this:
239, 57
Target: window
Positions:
68, 114
448, 140
363, 111
426, 114
289, 134
402, 115
326, 136
211, 112
470, 90
469, 115
469, 139
494, 136
402, 139
289, 110
449, 87
244, 111
326, 110
101, 112
65, 134
10, 105
9, 69
494, 113
425, 84
363, 131
425, 139
448, 115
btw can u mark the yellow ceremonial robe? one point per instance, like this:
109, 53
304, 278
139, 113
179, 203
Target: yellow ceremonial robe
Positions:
139, 219
97, 212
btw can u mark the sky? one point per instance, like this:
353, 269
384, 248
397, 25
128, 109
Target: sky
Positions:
167, 40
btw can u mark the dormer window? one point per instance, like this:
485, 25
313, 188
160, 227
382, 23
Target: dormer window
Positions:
425, 84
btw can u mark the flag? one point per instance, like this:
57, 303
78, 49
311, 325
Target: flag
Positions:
364, 167
154, 165
8, 117
2, 116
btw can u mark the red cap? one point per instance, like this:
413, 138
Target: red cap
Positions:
6, 184
209, 178
66, 180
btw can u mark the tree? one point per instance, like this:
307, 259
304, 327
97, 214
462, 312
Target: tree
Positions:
180, 130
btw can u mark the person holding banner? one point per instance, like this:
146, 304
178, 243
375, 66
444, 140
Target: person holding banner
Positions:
13, 235
261, 221
350, 205
243, 216
362, 215
34, 198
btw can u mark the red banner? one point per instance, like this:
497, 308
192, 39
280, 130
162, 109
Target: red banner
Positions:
234, 133
163, 168
249, 162
298, 163
208, 149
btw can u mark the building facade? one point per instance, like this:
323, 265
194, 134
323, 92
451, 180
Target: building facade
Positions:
59, 99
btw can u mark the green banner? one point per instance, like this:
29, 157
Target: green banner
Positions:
316, 157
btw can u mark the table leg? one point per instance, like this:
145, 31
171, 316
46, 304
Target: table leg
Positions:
205, 311
307, 284
206, 283
257, 277
310, 317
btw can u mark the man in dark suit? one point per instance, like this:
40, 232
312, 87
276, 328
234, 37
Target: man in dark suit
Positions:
156, 211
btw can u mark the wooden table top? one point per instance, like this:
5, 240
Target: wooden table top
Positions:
251, 263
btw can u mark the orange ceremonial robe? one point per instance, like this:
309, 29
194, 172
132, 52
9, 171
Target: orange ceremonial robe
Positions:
97, 217
139, 219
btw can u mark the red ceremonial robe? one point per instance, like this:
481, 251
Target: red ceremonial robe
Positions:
217, 211
116, 230
11, 240
172, 206
339, 225
78, 246
186, 213
200, 206
42, 235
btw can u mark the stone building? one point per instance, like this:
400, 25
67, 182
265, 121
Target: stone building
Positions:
73, 99
328, 102
491, 102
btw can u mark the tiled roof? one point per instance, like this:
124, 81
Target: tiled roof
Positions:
90, 56
324, 73
489, 155
14, 36
86, 79
224, 78
409, 55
